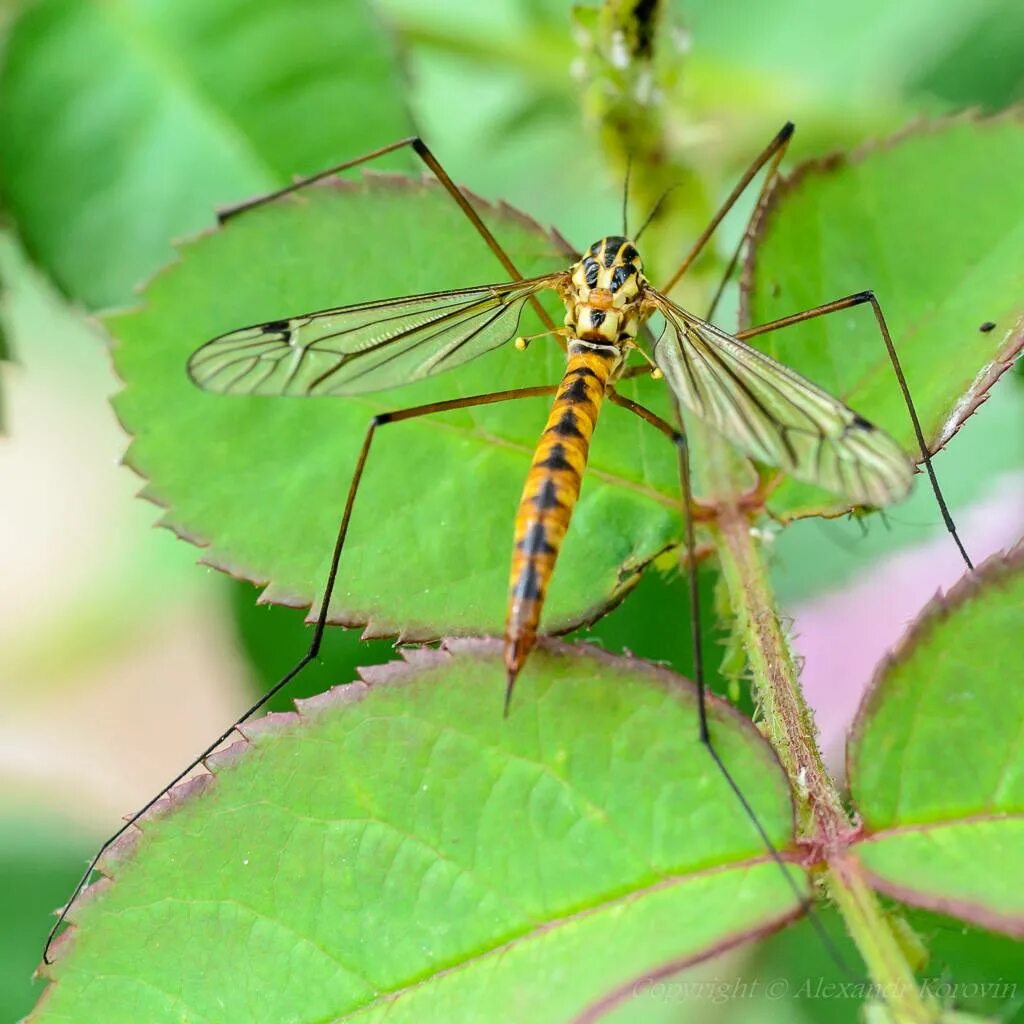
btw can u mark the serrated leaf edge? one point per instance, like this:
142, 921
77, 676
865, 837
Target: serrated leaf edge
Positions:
977, 393
271, 593
413, 662
996, 569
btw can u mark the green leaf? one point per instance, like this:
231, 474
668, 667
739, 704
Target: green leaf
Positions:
934, 759
654, 619
264, 480
921, 220
496, 868
840, 58
127, 123
273, 639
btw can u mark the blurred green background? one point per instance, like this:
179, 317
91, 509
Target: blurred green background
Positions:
125, 124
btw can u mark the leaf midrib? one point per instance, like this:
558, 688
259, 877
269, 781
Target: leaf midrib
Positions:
923, 827
552, 924
487, 439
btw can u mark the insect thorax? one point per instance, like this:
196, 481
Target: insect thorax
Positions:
603, 302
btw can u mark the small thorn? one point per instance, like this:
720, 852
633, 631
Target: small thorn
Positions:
522, 344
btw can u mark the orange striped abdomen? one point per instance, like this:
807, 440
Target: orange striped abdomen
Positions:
549, 497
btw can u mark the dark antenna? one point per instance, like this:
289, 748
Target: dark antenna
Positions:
655, 209
625, 196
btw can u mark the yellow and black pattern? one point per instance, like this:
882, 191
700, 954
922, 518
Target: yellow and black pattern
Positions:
607, 284
552, 488
767, 410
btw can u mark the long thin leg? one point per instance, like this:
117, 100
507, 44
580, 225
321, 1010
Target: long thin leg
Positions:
847, 303
420, 148
321, 620
773, 151
678, 438
766, 184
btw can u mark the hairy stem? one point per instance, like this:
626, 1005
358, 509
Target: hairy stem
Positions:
790, 721
823, 822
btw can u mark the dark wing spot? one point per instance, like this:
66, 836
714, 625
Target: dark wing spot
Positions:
861, 423
566, 426
276, 327
987, 326
555, 458
547, 497
590, 269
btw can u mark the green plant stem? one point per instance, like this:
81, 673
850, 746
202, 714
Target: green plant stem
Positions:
791, 731
790, 721
879, 946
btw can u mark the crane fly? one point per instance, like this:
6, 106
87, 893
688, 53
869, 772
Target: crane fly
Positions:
767, 410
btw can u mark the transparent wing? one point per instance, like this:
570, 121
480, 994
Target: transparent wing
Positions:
367, 347
774, 414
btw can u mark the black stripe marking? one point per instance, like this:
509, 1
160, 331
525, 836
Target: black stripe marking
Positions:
566, 426
590, 269
555, 459
597, 317
528, 585
621, 275
575, 391
536, 541
584, 371
547, 497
